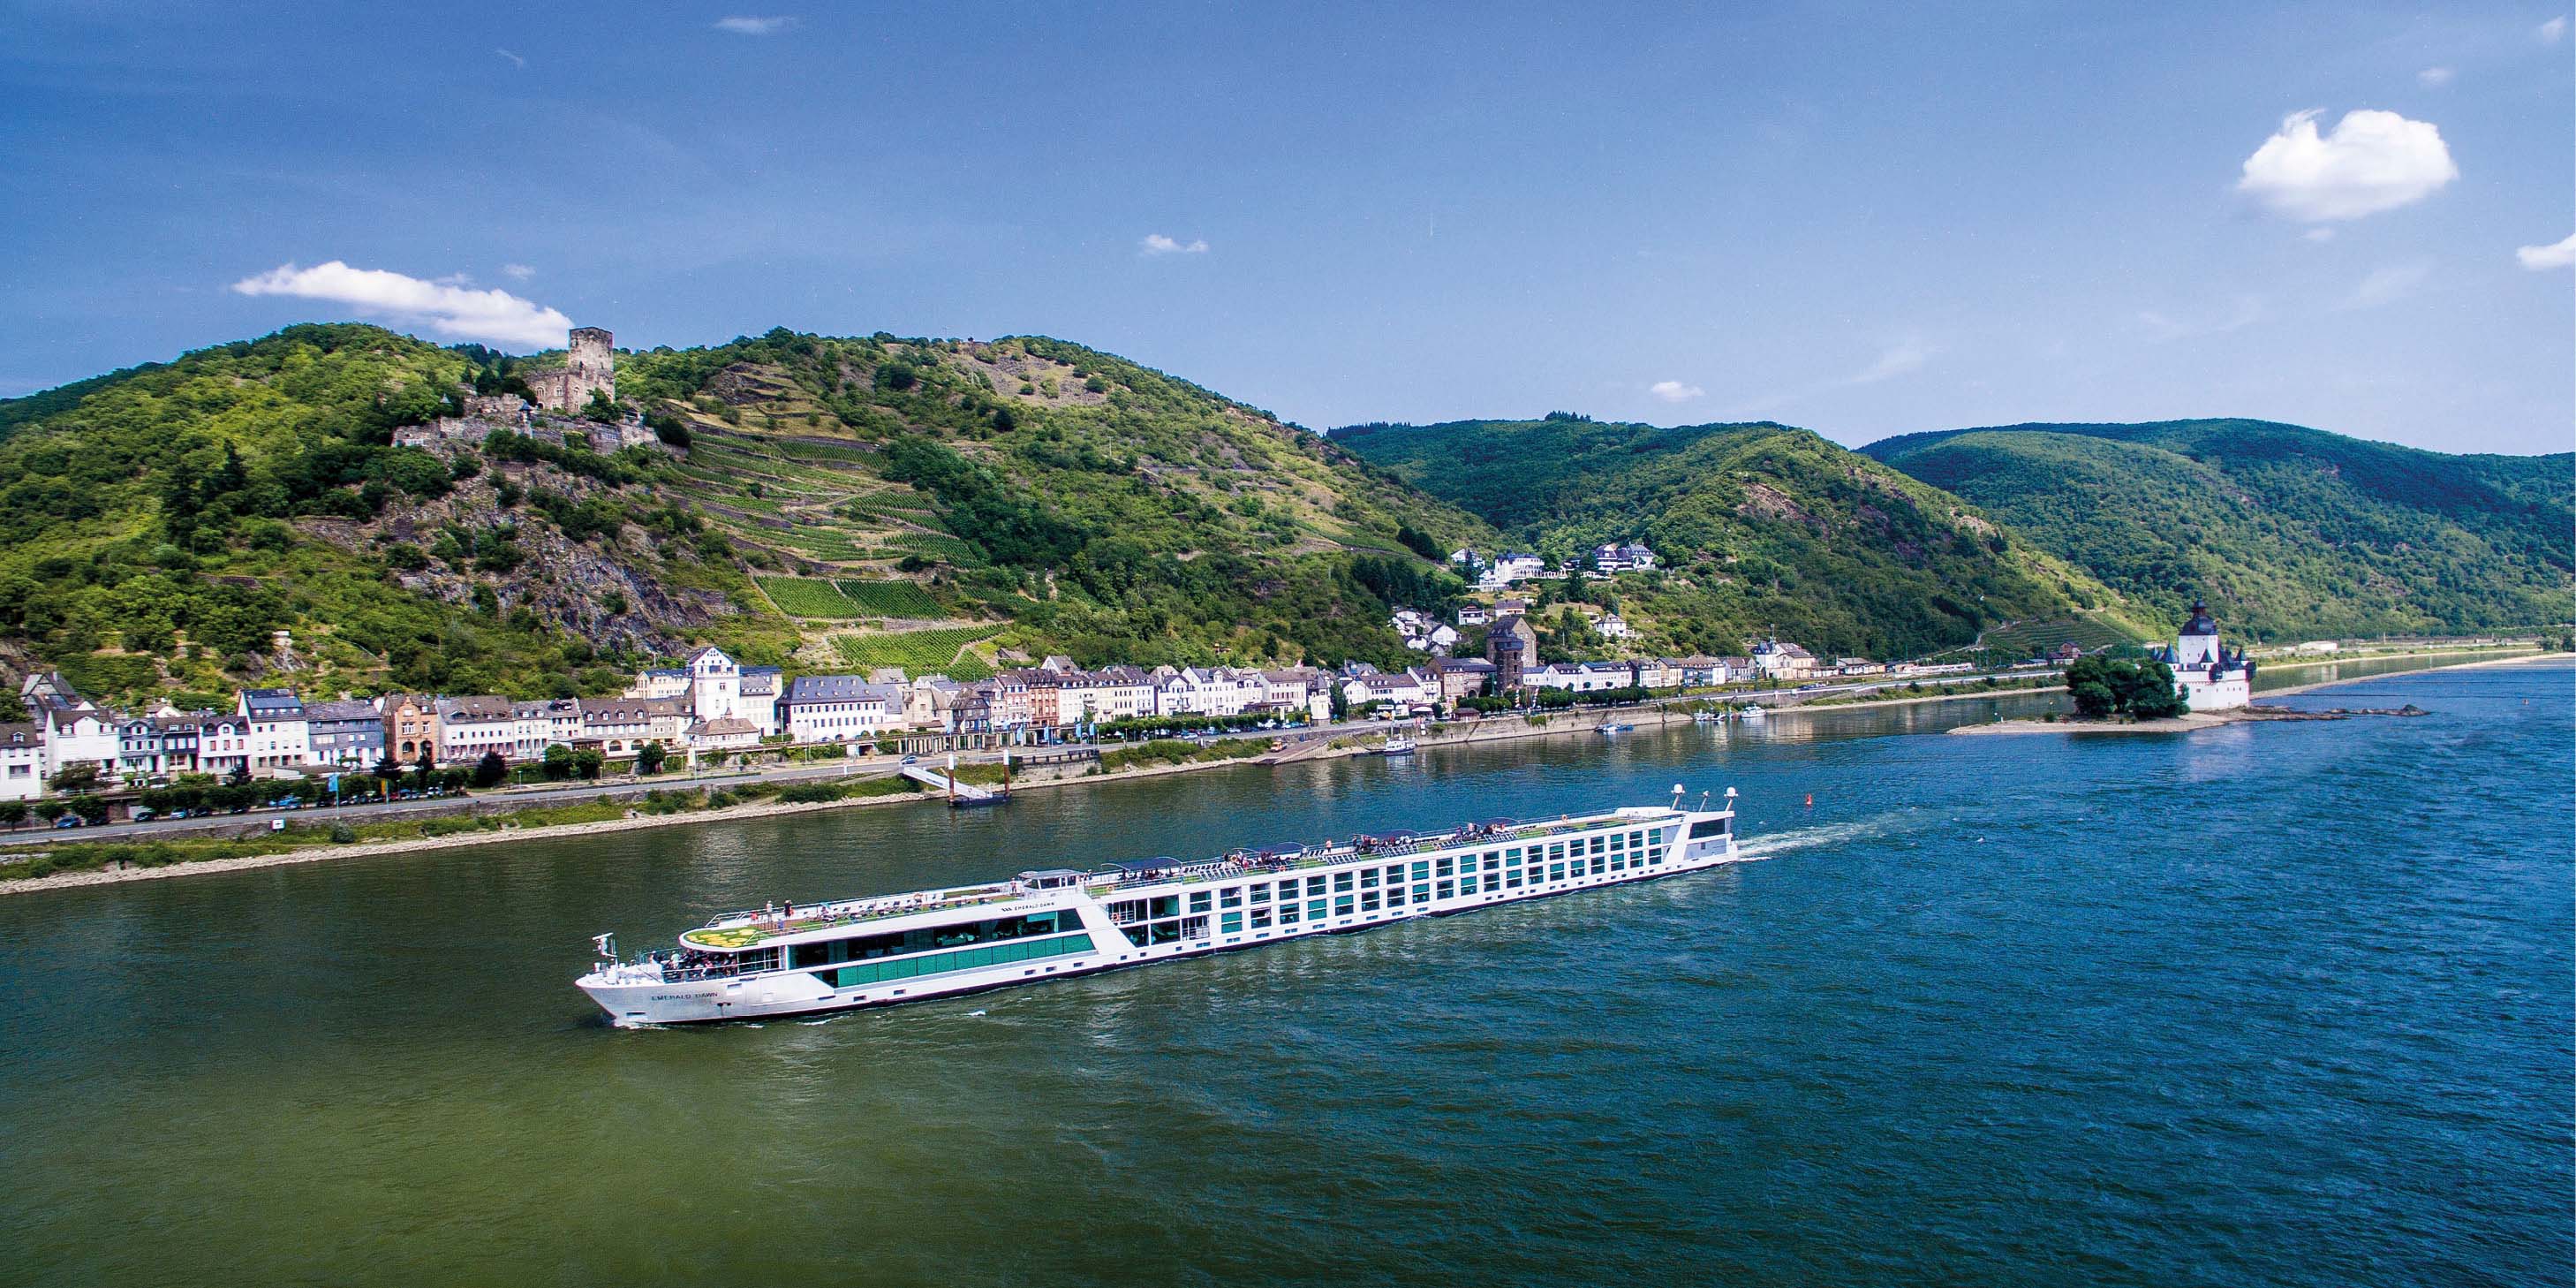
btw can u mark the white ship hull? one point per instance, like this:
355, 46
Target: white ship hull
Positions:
1095, 922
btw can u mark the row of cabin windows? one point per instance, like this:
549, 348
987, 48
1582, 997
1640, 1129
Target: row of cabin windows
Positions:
961, 959
1378, 889
869, 947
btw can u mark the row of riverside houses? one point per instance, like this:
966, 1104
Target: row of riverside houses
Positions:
709, 704
1042, 703
269, 733
276, 733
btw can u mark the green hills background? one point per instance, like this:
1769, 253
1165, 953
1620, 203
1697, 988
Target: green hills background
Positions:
2290, 531
1763, 529
840, 502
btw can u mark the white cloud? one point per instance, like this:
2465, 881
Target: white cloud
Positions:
514, 58
2242, 312
449, 310
1903, 357
2540, 259
2384, 285
1674, 391
517, 272
1158, 244
2371, 161
2552, 31
2434, 77
746, 26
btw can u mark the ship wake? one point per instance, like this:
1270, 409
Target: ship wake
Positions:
1792, 840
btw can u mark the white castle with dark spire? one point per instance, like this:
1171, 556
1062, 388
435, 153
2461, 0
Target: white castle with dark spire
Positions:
2206, 675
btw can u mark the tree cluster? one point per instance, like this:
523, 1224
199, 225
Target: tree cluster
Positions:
2104, 687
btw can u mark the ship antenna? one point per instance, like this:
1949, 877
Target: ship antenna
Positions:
1703, 801
1678, 792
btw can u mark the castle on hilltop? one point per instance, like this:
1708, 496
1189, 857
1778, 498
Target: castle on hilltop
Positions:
590, 366
2206, 675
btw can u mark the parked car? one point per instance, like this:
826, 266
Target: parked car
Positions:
68, 820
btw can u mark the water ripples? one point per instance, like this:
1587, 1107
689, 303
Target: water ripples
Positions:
2282, 1004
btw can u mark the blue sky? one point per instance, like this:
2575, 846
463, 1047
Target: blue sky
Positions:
1854, 218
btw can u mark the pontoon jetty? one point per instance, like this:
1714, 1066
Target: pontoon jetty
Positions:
790, 959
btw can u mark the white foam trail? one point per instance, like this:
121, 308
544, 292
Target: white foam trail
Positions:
1808, 838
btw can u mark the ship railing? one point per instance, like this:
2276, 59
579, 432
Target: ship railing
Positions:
833, 916
1244, 863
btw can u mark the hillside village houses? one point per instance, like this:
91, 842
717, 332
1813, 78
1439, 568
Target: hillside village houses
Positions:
1514, 566
1510, 567
1423, 633
1617, 556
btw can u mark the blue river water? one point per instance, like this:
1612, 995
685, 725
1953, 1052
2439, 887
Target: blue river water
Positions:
2276, 1004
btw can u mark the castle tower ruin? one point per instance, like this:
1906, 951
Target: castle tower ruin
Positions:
590, 364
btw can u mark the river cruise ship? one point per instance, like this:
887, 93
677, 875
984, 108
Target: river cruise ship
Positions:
793, 959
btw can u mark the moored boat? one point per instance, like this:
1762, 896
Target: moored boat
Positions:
792, 959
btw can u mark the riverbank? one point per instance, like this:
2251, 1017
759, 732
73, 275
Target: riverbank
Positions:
1454, 733
2478, 657
2248, 715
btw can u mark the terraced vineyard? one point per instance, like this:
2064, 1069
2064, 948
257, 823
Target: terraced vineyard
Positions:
808, 597
949, 548
920, 652
823, 543
890, 598
2031, 639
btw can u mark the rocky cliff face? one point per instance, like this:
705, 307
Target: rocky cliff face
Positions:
613, 590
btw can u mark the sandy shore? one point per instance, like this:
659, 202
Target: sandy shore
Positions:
2179, 724
1456, 734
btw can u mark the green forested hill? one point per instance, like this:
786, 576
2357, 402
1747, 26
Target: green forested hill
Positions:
1111, 511
1764, 529
850, 501
2290, 531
